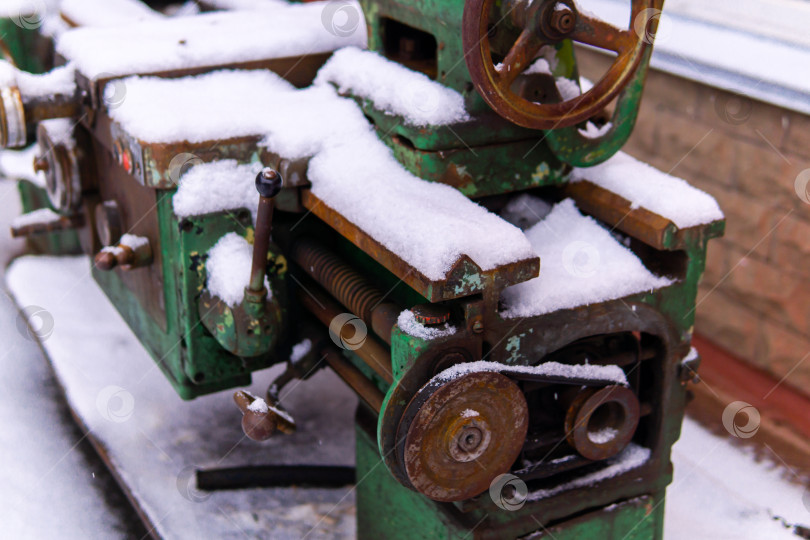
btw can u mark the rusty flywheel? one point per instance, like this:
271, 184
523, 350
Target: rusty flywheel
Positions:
462, 434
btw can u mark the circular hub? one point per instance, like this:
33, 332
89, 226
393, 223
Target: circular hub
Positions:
13, 132
61, 168
601, 422
464, 434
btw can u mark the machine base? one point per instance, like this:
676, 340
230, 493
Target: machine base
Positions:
386, 509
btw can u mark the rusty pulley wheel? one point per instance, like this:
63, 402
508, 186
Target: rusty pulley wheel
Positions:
464, 434
547, 22
601, 422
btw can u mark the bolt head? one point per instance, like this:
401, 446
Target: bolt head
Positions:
563, 18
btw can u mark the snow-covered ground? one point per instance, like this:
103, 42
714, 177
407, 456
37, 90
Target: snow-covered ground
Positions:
719, 490
52, 485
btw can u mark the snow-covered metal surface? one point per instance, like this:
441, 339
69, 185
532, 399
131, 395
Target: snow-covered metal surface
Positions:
209, 39
719, 491
646, 187
393, 88
428, 225
581, 263
106, 12
613, 374
228, 269
60, 80
19, 164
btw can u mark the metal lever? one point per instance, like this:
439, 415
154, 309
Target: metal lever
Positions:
268, 184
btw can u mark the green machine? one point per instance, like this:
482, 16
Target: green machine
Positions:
496, 400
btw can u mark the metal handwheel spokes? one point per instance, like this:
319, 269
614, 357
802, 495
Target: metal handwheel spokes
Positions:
548, 22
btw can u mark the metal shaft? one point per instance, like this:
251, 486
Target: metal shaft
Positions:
370, 351
352, 376
347, 285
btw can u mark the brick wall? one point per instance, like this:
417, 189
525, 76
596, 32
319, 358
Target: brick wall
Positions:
755, 297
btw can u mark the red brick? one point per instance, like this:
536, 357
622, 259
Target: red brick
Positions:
742, 117
748, 219
797, 140
726, 322
717, 262
791, 245
763, 173
693, 149
780, 296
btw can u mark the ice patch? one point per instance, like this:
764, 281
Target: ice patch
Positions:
591, 131
60, 80
603, 436
567, 88
525, 210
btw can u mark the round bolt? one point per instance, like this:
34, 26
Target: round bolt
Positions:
109, 223
468, 441
41, 164
478, 326
563, 19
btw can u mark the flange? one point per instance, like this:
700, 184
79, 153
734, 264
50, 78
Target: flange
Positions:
600, 422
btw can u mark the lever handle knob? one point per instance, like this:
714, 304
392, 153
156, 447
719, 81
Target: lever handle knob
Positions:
260, 419
268, 182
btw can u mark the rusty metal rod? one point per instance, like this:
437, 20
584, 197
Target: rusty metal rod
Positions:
352, 376
261, 244
268, 184
371, 352
30, 228
39, 108
347, 285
